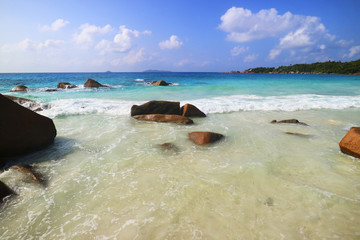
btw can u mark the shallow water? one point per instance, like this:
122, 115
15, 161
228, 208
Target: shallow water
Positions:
108, 177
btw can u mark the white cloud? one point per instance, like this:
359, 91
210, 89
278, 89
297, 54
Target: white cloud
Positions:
322, 46
251, 58
29, 45
121, 42
182, 62
236, 51
55, 26
275, 52
245, 26
86, 36
173, 43
132, 58
353, 51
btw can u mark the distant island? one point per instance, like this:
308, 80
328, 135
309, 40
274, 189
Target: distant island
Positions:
154, 71
330, 67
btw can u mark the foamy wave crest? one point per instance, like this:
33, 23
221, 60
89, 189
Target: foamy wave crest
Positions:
66, 107
211, 105
275, 103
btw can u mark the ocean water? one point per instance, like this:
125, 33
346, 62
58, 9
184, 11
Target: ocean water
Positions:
108, 178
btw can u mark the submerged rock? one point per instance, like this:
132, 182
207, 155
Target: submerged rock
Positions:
160, 83
350, 144
5, 192
91, 83
51, 90
189, 110
169, 147
292, 121
164, 118
298, 134
30, 173
22, 130
65, 85
19, 88
156, 107
203, 138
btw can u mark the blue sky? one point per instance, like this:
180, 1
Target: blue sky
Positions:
176, 35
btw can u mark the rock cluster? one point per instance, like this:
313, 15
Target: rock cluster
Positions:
19, 88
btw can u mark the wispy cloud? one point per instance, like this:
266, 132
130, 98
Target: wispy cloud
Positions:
55, 26
236, 51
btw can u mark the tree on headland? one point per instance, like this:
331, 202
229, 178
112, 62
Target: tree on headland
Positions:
330, 67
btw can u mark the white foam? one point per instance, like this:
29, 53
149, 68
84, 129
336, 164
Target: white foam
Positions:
139, 80
209, 105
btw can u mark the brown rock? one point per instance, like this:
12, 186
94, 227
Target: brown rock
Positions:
164, 118
156, 107
160, 83
189, 110
22, 130
5, 192
202, 138
30, 173
350, 144
65, 85
20, 88
292, 121
91, 83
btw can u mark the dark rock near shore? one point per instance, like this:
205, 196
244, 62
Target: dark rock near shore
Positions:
160, 83
5, 192
22, 130
291, 121
20, 88
350, 144
65, 85
91, 83
189, 110
30, 104
203, 138
156, 107
30, 173
164, 118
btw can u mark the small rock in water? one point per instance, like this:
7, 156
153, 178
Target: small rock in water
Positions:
160, 83
292, 121
189, 110
20, 88
203, 138
298, 134
91, 83
65, 85
30, 173
169, 147
5, 192
269, 202
350, 144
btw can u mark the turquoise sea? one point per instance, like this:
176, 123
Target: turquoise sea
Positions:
109, 179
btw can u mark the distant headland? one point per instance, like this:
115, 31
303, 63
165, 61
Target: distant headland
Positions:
155, 71
330, 67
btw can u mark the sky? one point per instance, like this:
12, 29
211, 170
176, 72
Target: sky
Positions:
174, 35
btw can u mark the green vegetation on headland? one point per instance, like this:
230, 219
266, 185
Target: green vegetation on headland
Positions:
330, 67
